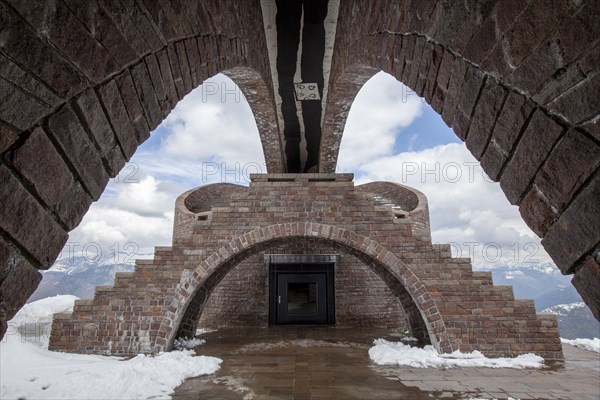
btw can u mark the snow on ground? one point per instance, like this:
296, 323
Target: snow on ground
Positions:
587, 344
395, 353
182, 343
29, 371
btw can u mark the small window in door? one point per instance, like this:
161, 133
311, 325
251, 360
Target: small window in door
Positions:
302, 298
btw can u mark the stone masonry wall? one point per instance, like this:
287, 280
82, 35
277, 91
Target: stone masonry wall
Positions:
517, 81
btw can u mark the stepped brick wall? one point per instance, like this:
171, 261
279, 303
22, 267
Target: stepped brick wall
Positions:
442, 300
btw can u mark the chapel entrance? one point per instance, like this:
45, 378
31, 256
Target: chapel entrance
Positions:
301, 294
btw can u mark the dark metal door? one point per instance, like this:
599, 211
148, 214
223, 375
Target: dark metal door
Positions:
301, 298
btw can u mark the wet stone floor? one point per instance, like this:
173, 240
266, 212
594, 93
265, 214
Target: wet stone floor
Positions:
333, 363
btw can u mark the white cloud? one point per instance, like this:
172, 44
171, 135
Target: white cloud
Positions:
381, 109
136, 215
210, 136
466, 208
213, 123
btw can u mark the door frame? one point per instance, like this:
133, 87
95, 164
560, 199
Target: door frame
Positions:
302, 268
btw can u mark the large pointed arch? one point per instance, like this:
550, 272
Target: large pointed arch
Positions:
518, 120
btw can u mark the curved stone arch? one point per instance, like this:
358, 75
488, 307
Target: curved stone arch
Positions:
519, 141
340, 99
193, 291
259, 97
83, 112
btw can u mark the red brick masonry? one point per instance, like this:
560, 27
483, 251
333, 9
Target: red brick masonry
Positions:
381, 231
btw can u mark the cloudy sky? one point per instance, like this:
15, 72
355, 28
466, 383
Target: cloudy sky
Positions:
391, 135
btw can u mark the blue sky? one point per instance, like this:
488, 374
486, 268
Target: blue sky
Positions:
391, 134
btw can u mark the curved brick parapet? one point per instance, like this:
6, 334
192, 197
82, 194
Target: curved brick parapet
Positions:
409, 201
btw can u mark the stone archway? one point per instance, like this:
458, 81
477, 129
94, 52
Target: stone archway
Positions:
79, 111
182, 315
524, 99
518, 99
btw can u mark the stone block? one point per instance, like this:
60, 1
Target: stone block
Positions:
184, 66
482, 41
191, 47
133, 106
37, 160
113, 104
19, 108
8, 136
581, 102
18, 280
157, 83
26, 81
21, 44
409, 48
576, 231
60, 27
417, 58
27, 222
91, 112
124, 23
571, 163
579, 31
68, 132
176, 71
453, 92
147, 96
532, 27
542, 64
97, 21
493, 160
437, 55
484, 117
532, 150
167, 78
586, 282
469, 93
536, 212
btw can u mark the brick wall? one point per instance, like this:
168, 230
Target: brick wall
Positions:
383, 264
362, 299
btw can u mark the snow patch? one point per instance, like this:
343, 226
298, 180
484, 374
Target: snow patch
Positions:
563, 309
587, 344
36, 372
394, 353
202, 331
182, 343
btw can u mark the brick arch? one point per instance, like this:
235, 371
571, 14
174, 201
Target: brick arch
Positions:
259, 97
80, 108
183, 313
524, 111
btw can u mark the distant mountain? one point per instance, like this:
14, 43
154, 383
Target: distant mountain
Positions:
541, 282
79, 276
575, 321
552, 292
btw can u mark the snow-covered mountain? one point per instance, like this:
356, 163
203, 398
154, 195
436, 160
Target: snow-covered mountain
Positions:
541, 282
552, 292
575, 320
79, 276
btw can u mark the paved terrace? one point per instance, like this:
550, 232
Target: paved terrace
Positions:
332, 363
